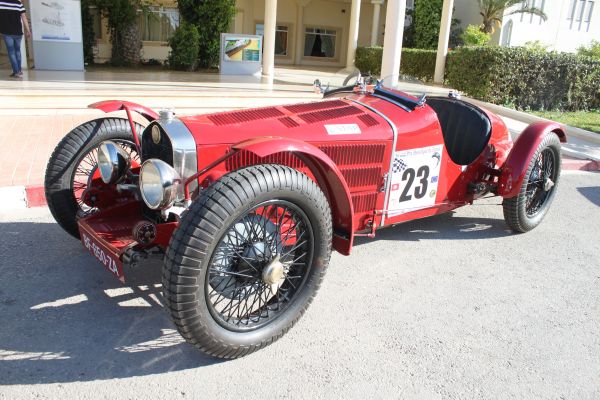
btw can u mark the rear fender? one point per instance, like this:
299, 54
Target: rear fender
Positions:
328, 177
514, 169
118, 105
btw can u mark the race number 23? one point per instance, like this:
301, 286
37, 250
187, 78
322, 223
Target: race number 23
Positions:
415, 175
417, 188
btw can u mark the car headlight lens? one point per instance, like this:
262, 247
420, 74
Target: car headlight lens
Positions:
159, 184
113, 162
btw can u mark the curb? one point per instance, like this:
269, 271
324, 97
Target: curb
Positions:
20, 197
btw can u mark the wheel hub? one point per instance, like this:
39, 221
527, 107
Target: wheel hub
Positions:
548, 184
274, 272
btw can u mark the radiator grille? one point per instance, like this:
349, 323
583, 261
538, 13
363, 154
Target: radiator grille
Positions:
238, 117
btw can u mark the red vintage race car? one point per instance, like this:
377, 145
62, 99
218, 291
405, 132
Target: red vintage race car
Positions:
246, 206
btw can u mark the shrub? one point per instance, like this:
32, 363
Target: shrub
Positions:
524, 78
536, 46
472, 36
427, 16
184, 47
418, 63
211, 18
593, 50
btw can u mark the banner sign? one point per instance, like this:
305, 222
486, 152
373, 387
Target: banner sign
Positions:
56, 20
241, 54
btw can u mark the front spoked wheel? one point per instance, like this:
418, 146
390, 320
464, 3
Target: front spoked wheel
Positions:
247, 259
260, 265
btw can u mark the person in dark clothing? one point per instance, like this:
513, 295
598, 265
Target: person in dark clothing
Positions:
13, 21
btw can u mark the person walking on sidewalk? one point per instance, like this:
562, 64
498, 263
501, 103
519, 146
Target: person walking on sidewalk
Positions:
13, 21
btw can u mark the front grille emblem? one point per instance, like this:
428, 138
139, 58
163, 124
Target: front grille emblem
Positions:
156, 134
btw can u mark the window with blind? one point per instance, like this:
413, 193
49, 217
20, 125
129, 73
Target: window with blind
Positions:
158, 23
320, 42
281, 38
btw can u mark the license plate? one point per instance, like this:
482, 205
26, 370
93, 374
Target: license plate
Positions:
110, 261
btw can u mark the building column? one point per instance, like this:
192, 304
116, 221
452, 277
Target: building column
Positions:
269, 38
353, 34
392, 41
375, 23
442, 50
299, 51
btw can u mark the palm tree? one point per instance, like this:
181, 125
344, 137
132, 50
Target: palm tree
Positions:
493, 10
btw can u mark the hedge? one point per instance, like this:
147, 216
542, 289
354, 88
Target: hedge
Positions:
513, 76
418, 63
524, 78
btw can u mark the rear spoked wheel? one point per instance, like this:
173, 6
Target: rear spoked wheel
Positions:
526, 210
247, 259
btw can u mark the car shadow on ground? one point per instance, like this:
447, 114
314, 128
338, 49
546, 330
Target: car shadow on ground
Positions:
592, 193
65, 318
446, 226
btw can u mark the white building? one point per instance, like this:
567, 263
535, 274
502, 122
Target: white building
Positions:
317, 32
570, 24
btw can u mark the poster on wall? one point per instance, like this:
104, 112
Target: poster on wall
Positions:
242, 49
241, 54
56, 20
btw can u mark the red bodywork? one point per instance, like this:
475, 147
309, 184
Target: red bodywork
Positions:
350, 166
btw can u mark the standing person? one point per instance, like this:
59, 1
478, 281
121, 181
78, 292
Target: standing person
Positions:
13, 21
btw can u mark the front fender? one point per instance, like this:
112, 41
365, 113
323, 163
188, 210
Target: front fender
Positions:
514, 169
327, 174
118, 105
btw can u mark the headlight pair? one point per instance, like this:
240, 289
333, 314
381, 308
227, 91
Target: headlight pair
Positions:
159, 182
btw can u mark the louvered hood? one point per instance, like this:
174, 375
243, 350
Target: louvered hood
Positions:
323, 121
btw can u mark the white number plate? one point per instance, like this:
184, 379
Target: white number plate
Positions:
415, 174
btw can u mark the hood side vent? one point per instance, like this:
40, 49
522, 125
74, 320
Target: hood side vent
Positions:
238, 117
363, 177
289, 122
368, 120
319, 116
364, 202
354, 154
306, 107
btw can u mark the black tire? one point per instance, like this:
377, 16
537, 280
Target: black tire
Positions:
62, 169
195, 254
525, 211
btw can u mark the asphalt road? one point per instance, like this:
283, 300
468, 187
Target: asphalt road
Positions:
453, 306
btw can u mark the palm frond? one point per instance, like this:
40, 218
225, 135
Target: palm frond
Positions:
530, 10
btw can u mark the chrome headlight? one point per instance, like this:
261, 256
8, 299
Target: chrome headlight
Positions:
159, 184
113, 162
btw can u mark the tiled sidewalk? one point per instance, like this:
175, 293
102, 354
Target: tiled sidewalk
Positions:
26, 143
37, 112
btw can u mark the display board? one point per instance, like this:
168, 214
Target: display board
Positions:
57, 34
241, 54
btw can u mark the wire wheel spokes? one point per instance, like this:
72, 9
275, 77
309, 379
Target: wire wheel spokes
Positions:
259, 266
85, 169
541, 182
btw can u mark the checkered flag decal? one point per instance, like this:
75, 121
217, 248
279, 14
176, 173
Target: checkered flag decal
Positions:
399, 165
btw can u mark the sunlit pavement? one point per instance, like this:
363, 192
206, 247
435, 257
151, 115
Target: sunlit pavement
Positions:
449, 307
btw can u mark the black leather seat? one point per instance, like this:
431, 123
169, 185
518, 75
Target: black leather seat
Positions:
466, 128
